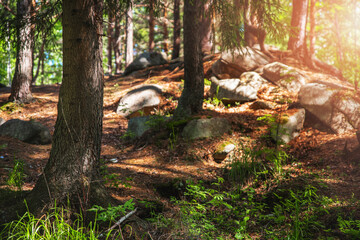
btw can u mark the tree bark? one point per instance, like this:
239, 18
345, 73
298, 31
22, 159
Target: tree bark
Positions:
20, 88
205, 28
165, 31
151, 26
72, 171
192, 97
177, 30
110, 42
117, 45
297, 40
129, 57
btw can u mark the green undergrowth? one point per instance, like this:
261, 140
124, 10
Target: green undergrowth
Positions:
258, 196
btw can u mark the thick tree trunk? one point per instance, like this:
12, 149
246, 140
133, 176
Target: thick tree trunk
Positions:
129, 57
20, 88
110, 41
250, 39
117, 45
151, 26
177, 30
72, 170
192, 97
297, 40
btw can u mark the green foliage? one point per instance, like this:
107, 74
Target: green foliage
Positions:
11, 107
350, 227
112, 214
245, 167
54, 225
16, 175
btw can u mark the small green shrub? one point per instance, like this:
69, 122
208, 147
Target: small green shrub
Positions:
16, 175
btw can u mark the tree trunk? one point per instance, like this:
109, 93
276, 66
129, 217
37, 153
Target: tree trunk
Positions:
297, 40
110, 41
205, 28
177, 30
250, 39
151, 26
192, 97
311, 53
165, 31
20, 88
129, 35
72, 171
117, 45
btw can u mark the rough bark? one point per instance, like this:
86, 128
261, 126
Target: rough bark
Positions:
191, 99
151, 26
129, 56
117, 45
110, 41
311, 52
177, 30
205, 28
297, 40
20, 88
165, 32
72, 169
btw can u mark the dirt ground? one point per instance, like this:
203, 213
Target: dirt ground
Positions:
148, 165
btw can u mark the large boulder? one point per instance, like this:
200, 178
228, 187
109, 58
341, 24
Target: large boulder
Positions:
284, 76
145, 60
291, 122
27, 131
143, 98
336, 108
237, 90
233, 63
137, 126
246, 58
206, 128
2, 121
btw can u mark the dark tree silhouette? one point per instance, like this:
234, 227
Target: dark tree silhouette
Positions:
191, 99
177, 30
72, 169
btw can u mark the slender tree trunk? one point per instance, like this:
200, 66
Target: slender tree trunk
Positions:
72, 171
311, 52
177, 30
117, 45
40, 59
151, 26
110, 41
250, 39
205, 28
165, 31
192, 97
297, 40
20, 88
129, 35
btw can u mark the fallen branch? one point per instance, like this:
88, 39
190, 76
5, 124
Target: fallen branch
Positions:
122, 219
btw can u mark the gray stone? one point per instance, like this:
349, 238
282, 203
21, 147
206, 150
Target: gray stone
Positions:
246, 58
206, 128
291, 122
2, 121
137, 126
335, 108
145, 60
26, 131
232, 90
284, 76
145, 96
222, 151
237, 90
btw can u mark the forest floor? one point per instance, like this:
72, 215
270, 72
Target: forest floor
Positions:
147, 169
